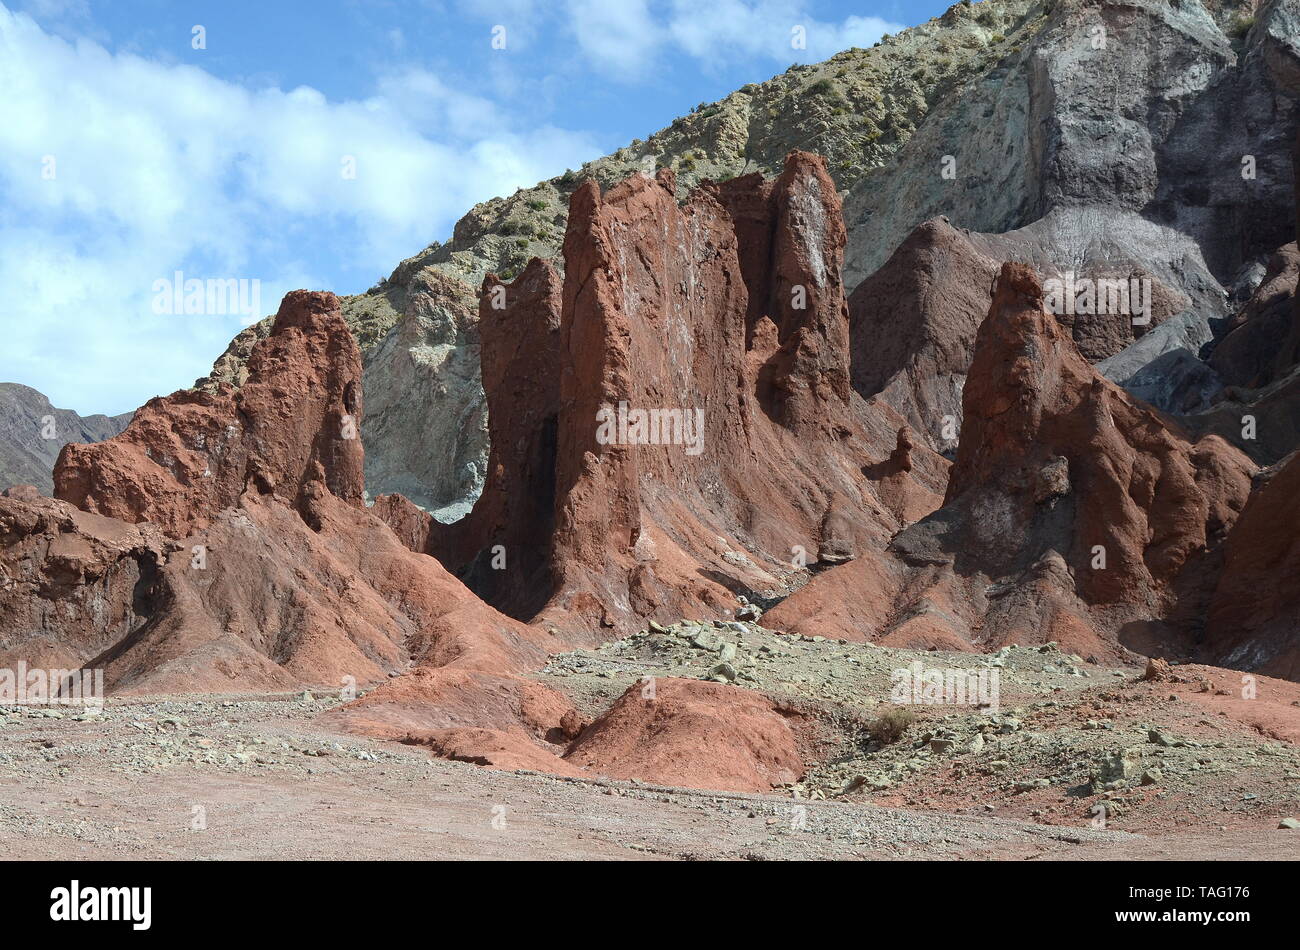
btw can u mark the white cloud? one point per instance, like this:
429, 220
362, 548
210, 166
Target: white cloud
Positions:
617, 36
162, 167
625, 38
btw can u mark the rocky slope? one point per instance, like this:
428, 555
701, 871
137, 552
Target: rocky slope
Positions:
32, 432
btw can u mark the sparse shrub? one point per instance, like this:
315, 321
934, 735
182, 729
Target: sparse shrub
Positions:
537, 204
820, 88
889, 727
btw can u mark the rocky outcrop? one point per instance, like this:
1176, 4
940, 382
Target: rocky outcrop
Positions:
72, 584
1042, 425
228, 548
187, 456
426, 417
1254, 616
1252, 353
32, 432
1073, 513
912, 328
1019, 94
503, 547
1045, 135
703, 439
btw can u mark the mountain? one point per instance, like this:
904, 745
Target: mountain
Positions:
1011, 90
32, 432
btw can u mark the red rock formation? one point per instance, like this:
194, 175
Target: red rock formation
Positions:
1056, 467
187, 456
726, 314
283, 577
1041, 424
1254, 616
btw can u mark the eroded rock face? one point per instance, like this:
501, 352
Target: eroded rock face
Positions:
1073, 512
187, 456
913, 326
283, 578
510, 525
726, 318
426, 417
1253, 353
1138, 488
1043, 138
1254, 616
71, 583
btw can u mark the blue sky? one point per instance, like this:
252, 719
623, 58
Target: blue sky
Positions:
127, 154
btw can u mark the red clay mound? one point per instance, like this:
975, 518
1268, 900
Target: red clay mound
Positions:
492, 749
703, 436
1074, 513
187, 456
498, 721
693, 734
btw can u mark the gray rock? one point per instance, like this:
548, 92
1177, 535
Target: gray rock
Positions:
425, 423
707, 640
722, 672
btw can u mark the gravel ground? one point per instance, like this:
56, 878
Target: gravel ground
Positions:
217, 777
1066, 742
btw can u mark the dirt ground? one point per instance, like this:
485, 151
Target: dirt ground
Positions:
237, 777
